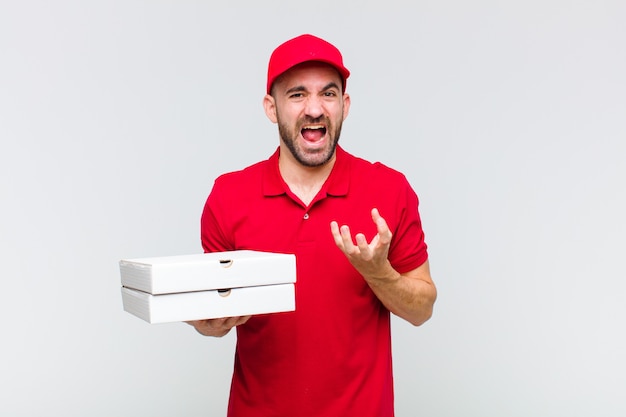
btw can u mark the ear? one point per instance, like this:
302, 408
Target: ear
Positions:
346, 105
269, 104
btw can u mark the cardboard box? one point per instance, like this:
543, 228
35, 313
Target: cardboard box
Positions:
209, 304
210, 285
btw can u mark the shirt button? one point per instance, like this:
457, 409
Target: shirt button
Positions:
306, 216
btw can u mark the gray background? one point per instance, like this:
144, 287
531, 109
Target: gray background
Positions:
507, 117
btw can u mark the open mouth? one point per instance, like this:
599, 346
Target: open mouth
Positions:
313, 133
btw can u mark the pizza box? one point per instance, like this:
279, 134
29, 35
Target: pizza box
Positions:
165, 308
207, 271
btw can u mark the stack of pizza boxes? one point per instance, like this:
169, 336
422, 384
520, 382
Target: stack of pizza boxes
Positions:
209, 285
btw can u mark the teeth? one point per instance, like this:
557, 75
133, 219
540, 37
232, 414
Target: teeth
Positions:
314, 127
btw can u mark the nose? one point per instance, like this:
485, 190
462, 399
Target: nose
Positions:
314, 106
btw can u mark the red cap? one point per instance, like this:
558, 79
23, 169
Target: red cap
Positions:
304, 48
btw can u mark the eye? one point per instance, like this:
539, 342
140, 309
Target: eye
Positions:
296, 95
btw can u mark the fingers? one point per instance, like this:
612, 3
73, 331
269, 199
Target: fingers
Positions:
217, 327
343, 236
361, 242
241, 320
348, 246
228, 323
343, 240
381, 226
334, 229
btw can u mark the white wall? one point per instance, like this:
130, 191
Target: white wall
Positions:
507, 117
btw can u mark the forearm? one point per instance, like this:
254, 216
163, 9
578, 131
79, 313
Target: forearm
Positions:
410, 296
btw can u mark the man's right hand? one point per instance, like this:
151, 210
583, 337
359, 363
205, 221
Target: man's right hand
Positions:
217, 327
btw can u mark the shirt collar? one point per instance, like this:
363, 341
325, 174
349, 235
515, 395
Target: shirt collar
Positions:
336, 185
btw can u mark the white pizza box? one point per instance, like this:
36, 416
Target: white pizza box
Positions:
209, 304
207, 271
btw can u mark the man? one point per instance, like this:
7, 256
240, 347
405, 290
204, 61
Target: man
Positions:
332, 356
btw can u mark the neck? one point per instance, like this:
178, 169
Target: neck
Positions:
305, 182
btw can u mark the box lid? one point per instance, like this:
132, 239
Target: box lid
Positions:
207, 271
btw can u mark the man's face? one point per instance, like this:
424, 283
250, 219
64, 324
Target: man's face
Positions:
309, 107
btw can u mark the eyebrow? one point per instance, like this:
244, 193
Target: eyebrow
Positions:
300, 88
330, 85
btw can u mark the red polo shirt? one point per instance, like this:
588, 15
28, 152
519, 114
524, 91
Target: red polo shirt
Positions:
332, 356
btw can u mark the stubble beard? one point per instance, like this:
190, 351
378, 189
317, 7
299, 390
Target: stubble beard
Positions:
310, 159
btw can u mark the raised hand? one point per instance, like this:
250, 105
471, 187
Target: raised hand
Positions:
370, 259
